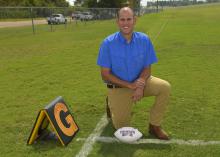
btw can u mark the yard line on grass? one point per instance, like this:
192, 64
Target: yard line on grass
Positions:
89, 142
161, 29
155, 141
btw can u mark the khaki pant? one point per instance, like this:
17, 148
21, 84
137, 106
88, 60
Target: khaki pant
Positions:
120, 102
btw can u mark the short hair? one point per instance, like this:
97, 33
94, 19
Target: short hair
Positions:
123, 8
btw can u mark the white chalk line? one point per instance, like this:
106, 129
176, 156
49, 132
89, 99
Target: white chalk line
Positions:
103, 139
161, 29
89, 142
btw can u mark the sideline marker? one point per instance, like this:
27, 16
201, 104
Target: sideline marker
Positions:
59, 117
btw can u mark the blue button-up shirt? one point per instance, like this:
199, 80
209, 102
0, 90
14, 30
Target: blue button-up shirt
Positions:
126, 60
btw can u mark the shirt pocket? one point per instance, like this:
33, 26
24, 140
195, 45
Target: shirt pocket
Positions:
118, 65
138, 61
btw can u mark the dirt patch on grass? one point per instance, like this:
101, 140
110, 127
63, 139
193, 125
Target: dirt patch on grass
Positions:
21, 23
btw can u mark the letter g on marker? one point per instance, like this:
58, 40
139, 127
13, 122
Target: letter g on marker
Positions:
67, 131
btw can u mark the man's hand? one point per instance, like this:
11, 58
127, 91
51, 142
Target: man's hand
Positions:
139, 86
140, 83
132, 86
138, 94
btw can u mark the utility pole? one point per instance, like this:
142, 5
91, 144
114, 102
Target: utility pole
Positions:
32, 20
138, 2
157, 6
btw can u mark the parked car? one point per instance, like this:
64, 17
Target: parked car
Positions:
76, 15
86, 16
56, 19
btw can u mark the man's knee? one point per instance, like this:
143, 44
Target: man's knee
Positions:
165, 87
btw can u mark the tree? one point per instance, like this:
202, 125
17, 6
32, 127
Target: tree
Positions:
101, 3
57, 3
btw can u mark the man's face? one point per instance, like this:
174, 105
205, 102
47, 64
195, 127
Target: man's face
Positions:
126, 22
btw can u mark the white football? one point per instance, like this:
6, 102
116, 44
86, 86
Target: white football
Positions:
128, 134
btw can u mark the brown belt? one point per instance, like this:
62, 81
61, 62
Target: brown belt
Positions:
112, 86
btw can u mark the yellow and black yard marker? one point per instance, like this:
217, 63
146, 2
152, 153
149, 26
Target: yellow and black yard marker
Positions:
59, 117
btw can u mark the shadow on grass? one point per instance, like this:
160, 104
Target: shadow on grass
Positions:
45, 143
123, 149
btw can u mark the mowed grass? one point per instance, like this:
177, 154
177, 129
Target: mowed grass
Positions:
35, 69
188, 49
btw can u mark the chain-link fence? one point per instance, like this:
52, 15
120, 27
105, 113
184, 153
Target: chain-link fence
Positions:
58, 15
42, 12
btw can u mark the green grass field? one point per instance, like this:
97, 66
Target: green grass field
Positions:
35, 69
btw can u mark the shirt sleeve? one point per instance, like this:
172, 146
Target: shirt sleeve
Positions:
104, 59
150, 52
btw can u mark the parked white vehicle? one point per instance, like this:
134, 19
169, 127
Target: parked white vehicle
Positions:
86, 16
56, 19
76, 15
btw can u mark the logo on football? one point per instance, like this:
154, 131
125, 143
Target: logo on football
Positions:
128, 134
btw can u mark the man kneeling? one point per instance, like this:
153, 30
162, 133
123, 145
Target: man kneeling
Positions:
125, 58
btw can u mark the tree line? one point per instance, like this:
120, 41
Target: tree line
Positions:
175, 3
95, 3
108, 3
34, 3
64, 3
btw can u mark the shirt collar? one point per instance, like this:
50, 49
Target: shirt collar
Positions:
123, 40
